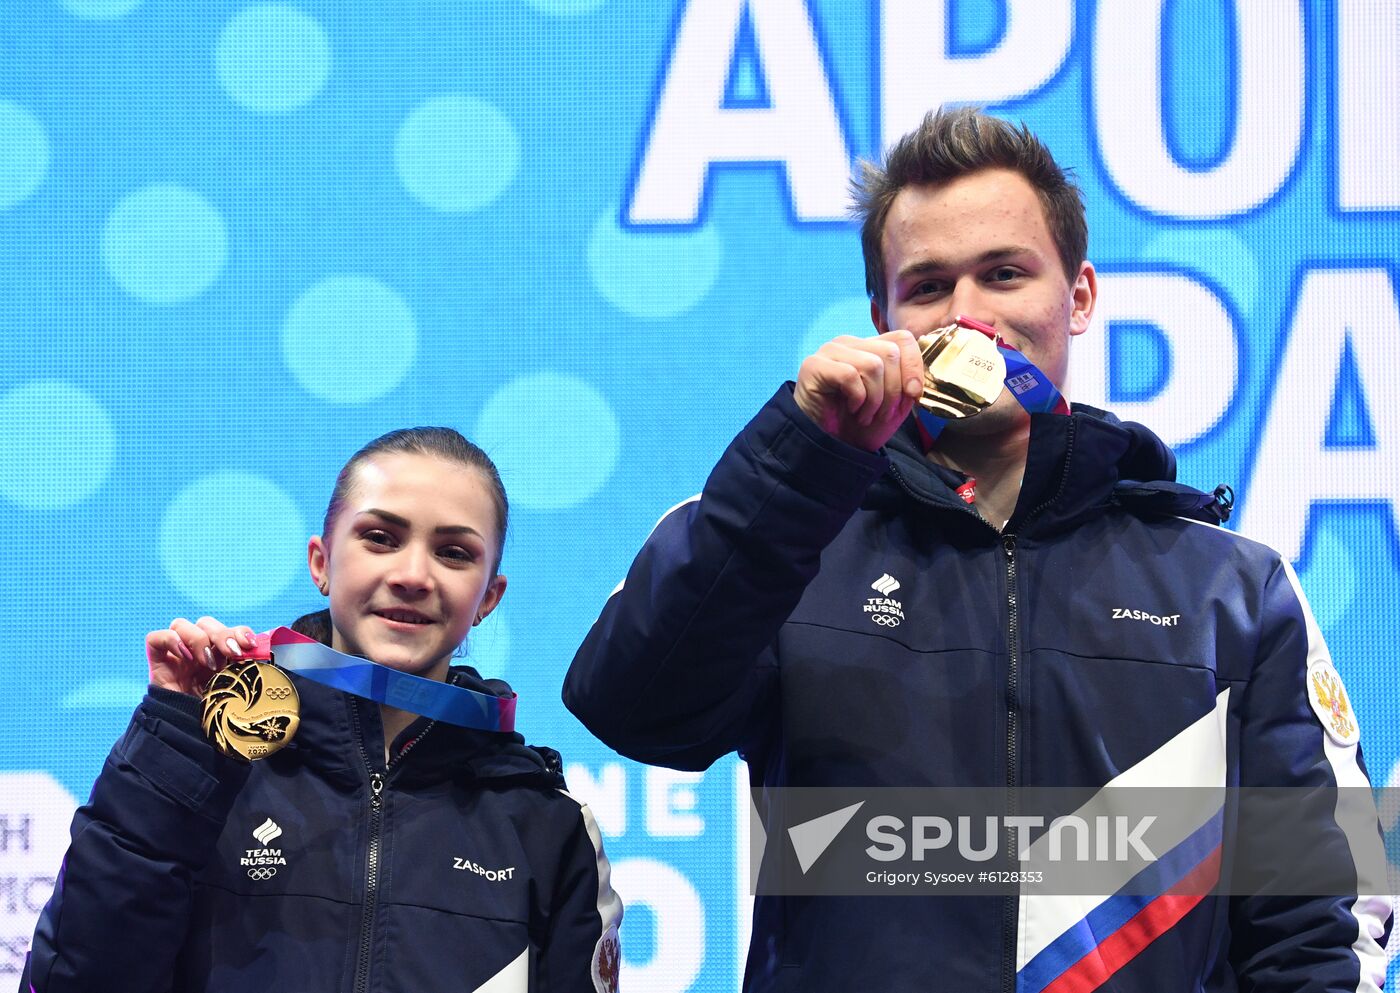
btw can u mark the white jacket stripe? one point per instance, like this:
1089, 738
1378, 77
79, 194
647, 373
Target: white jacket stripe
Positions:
692, 499
1359, 822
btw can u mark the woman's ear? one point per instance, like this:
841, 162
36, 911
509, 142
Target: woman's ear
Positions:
494, 591
318, 559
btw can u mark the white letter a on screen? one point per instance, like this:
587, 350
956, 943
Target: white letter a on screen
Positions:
797, 127
1343, 318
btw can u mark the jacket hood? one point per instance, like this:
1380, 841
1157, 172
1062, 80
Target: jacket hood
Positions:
1076, 466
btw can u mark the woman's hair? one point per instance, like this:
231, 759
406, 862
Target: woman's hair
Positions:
316, 624
441, 443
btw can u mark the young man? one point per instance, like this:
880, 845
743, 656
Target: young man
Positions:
1050, 609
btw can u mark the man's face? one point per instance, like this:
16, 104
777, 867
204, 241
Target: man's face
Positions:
980, 246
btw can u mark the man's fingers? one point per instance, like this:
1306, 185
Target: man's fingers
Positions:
828, 387
892, 375
859, 389
843, 380
859, 367
911, 364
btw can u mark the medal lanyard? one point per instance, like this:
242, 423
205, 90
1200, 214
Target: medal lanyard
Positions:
1031, 387
360, 677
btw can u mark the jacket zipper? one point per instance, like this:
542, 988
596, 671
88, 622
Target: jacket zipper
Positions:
1013, 703
395, 760
376, 814
1013, 709
1008, 544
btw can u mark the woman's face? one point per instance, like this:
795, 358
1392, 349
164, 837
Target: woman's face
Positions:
409, 561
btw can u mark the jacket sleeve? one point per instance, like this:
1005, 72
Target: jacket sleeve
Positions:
118, 915
581, 950
1308, 822
679, 669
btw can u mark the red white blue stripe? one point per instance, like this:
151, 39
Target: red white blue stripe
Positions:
1115, 931
1073, 943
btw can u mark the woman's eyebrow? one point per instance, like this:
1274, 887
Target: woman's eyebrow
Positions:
403, 523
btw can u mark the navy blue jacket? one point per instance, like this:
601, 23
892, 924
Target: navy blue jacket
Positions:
844, 619
319, 868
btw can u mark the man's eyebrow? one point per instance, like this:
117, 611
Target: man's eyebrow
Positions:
402, 522
919, 267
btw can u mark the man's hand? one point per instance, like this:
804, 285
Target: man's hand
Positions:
861, 389
183, 656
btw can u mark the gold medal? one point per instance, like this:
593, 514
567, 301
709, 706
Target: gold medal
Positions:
251, 709
964, 372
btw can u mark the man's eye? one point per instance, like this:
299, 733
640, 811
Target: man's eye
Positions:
928, 288
1004, 274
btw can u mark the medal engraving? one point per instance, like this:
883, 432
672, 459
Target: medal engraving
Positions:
251, 710
964, 372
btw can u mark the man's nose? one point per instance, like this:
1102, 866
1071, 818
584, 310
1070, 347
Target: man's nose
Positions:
966, 299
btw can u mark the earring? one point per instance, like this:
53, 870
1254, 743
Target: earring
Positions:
325, 588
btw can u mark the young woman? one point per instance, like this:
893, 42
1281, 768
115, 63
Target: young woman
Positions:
378, 850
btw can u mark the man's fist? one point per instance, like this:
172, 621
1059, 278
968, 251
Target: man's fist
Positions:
861, 389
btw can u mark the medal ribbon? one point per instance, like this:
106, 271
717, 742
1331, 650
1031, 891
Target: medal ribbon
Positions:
372, 681
1031, 387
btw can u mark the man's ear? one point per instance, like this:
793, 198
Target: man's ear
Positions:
877, 318
1084, 294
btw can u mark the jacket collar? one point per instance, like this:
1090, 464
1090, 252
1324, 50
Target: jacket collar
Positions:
342, 736
1075, 466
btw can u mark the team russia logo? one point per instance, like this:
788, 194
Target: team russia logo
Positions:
261, 863
883, 609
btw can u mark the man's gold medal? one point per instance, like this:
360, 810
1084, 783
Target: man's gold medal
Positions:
964, 372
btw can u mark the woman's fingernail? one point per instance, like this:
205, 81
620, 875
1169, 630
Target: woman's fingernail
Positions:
184, 650
233, 648
209, 656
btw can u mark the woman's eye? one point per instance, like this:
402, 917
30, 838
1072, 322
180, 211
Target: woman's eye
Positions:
377, 537
456, 552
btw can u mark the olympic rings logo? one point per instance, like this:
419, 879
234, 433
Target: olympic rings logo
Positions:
278, 692
262, 872
886, 620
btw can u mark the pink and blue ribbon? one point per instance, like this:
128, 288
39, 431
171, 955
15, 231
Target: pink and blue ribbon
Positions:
1031, 387
360, 677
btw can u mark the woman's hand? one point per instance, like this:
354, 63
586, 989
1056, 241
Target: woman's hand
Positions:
183, 656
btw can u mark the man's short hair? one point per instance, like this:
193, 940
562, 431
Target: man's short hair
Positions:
951, 143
